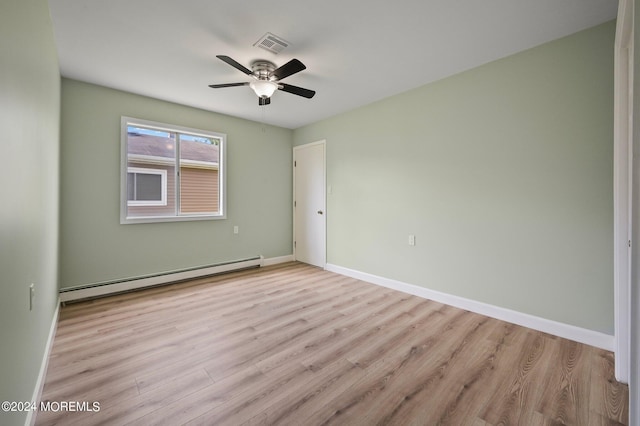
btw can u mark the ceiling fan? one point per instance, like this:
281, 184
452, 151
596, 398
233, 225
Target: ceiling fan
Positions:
267, 78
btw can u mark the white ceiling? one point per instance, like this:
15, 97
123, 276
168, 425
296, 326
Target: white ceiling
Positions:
356, 51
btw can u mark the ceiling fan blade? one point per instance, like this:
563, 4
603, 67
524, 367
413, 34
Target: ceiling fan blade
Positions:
300, 91
220, 86
235, 64
264, 101
290, 68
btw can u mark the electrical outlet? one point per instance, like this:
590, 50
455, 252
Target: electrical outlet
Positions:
412, 240
236, 229
32, 293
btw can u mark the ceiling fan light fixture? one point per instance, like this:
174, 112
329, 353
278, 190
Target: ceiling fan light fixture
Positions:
263, 88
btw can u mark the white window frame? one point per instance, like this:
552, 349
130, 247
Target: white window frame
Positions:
163, 186
125, 122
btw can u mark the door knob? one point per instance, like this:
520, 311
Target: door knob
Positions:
319, 211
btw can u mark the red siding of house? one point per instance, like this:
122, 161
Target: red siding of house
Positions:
199, 190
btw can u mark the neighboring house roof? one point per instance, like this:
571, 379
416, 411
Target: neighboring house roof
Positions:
157, 146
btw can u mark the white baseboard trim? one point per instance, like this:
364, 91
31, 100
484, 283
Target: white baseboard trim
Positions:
37, 392
566, 331
104, 289
280, 259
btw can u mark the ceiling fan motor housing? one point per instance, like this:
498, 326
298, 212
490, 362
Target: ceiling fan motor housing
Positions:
262, 70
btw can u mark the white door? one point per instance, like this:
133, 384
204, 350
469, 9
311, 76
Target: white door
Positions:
309, 215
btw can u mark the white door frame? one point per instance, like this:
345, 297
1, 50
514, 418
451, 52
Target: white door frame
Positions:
622, 196
322, 142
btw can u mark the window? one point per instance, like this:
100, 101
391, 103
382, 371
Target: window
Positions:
170, 173
146, 187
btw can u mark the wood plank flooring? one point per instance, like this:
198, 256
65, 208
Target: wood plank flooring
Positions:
295, 345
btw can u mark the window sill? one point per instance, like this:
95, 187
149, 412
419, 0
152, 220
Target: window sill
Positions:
183, 218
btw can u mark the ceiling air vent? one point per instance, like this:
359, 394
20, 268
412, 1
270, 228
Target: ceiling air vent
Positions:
272, 43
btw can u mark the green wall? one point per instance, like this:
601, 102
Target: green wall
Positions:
95, 247
503, 173
29, 117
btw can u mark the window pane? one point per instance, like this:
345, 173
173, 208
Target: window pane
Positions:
199, 174
152, 155
148, 187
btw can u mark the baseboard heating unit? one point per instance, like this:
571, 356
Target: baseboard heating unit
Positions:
128, 284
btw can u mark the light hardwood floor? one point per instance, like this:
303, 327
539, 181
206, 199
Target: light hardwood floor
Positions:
295, 345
